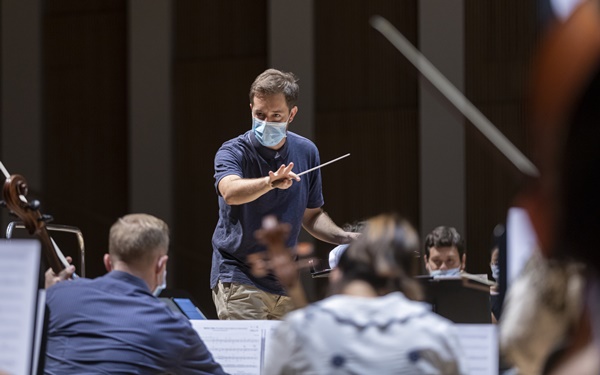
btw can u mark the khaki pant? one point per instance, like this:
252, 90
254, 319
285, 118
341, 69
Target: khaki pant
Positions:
244, 302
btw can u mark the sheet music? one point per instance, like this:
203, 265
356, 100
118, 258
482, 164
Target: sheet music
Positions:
39, 329
19, 272
269, 327
480, 345
238, 345
521, 242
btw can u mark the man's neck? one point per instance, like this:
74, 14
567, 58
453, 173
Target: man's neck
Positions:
124, 267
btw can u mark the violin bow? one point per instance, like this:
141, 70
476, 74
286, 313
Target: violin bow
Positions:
457, 98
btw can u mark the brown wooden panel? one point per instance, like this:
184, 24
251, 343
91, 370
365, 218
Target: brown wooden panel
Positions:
367, 103
85, 118
499, 41
220, 47
381, 175
224, 29
65, 7
356, 67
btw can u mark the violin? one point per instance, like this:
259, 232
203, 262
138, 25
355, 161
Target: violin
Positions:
280, 259
14, 195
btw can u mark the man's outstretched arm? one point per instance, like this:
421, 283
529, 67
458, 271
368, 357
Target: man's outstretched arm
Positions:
237, 190
319, 225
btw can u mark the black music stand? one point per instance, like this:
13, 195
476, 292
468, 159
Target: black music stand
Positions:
459, 299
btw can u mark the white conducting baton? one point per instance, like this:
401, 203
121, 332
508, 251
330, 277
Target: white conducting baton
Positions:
322, 165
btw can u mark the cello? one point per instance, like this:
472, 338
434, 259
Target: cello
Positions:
14, 195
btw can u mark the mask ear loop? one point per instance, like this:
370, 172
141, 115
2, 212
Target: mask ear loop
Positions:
163, 285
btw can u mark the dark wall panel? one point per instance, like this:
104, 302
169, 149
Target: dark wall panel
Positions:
500, 40
85, 118
220, 47
367, 104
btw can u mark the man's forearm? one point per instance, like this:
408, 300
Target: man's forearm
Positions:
244, 190
320, 226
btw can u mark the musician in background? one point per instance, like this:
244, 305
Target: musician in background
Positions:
374, 324
114, 324
255, 176
495, 302
444, 252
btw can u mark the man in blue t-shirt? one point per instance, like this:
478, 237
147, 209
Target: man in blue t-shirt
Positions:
255, 176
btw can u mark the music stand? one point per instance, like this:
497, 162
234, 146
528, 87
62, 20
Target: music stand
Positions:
459, 299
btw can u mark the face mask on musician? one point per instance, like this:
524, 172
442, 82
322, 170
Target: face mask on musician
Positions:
448, 272
162, 286
269, 133
495, 272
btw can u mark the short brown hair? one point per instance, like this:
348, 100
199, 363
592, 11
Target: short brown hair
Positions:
273, 81
443, 236
135, 237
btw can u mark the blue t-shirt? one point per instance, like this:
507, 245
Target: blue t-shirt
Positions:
233, 238
114, 325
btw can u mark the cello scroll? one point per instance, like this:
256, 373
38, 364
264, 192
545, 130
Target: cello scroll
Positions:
14, 193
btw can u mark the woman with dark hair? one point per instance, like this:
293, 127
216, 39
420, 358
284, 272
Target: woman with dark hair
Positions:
374, 323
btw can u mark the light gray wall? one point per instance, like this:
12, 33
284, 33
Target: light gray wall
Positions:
291, 48
442, 136
150, 125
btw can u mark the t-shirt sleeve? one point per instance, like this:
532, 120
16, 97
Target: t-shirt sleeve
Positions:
315, 193
228, 161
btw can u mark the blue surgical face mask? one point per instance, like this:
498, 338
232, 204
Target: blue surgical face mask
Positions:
268, 133
448, 272
495, 272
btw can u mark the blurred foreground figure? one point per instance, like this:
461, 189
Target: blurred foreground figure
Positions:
374, 325
559, 333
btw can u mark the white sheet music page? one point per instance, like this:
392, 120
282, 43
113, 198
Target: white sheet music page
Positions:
269, 327
237, 345
480, 345
39, 327
19, 272
521, 242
